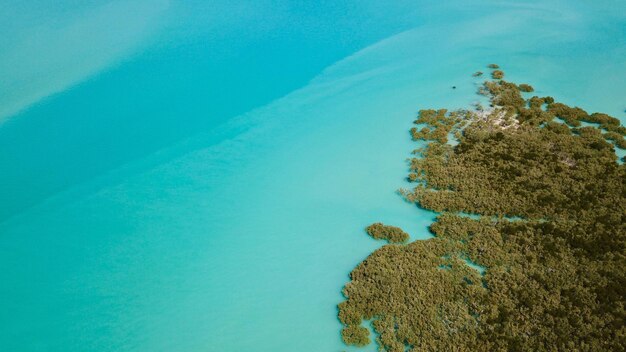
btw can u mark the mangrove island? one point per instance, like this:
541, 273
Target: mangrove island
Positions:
532, 191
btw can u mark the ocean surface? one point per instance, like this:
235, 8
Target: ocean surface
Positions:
196, 176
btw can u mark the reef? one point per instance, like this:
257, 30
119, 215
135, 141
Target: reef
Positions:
547, 197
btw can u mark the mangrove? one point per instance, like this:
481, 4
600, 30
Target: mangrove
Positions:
547, 199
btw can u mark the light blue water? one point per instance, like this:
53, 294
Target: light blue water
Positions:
205, 187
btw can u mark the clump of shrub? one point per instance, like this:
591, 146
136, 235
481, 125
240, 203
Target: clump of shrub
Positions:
526, 88
505, 95
392, 234
493, 66
477, 74
603, 119
439, 124
619, 140
355, 335
497, 74
571, 116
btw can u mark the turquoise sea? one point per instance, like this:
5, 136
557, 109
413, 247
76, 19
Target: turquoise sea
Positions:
196, 175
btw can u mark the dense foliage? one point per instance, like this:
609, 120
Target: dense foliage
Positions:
526, 88
392, 234
548, 224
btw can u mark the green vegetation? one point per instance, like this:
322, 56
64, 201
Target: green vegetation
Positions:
497, 74
493, 66
477, 74
526, 88
555, 276
355, 335
384, 232
439, 123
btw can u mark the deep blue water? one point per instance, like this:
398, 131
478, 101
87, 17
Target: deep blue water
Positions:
196, 176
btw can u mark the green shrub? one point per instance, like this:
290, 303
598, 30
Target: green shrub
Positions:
392, 234
526, 88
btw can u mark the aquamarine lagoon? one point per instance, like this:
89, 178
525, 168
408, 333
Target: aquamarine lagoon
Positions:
197, 176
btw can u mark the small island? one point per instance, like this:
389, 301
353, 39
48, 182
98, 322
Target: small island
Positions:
392, 234
529, 194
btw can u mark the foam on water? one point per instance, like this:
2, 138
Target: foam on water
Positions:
240, 239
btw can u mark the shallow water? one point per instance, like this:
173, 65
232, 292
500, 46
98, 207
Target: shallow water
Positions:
208, 189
